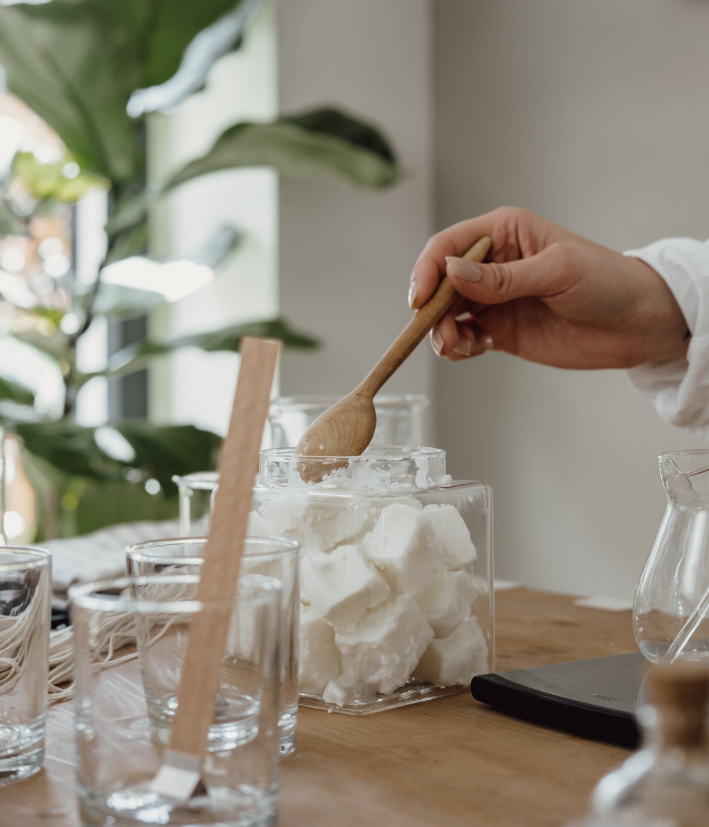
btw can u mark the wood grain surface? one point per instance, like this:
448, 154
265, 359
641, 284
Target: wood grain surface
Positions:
447, 763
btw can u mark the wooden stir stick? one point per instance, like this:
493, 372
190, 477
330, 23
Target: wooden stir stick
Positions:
346, 428
179, 776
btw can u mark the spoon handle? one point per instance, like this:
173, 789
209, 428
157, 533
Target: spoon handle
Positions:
416, 330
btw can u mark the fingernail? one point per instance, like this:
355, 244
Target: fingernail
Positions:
464, 317
463, 269
464, 346
486, 342
412, 294
436, 341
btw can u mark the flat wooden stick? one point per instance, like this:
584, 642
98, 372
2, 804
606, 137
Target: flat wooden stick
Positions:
219, 574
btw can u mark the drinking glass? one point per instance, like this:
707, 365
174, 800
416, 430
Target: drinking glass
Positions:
195, 497
262, 555
124, 705
25, 614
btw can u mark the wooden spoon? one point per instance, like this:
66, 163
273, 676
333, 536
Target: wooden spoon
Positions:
346, 428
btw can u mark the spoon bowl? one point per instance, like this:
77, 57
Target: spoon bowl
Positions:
346, 428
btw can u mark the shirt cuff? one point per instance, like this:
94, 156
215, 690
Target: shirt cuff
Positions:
679, 389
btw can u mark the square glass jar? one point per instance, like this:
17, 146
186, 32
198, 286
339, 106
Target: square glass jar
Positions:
396, 573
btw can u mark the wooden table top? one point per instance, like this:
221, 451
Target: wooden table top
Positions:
447, 763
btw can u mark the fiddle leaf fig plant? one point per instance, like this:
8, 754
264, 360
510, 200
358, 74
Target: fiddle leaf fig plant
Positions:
93, 70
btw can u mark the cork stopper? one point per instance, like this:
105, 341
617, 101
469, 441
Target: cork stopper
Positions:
680, 693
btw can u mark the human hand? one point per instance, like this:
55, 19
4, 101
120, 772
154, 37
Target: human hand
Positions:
547, 295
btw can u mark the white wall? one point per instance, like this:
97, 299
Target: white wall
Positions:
346, 254
193, 386
595, 115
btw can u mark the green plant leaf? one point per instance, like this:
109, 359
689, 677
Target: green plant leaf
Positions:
76, 66
77, 62
164, 450
129, 212
130, 242
70, 448
322, 142
15, 392
160, 450
134, 357
50, 180
222, 36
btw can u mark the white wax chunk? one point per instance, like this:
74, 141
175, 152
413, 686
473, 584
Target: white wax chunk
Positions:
383, 502
257, 526
319, 656
456, 660
452, 536
446, 601
383, 649
342, 585
402, 544
335, 693
317, 522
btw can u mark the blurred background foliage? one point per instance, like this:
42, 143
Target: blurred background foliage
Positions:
89, 73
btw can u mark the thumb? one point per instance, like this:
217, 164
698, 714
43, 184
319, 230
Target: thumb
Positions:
545, 274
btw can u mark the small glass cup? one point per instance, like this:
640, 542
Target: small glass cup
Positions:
25, 615
122, 703
400, 419
195, 496
262, 555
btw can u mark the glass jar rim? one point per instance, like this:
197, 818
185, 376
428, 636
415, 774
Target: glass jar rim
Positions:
373, 453
198, 480
36, 558
88, 595
381, 468
140, 552
315, 400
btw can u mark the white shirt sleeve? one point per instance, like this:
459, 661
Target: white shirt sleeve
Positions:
679, 388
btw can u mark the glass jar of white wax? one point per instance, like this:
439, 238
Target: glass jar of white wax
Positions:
395, 574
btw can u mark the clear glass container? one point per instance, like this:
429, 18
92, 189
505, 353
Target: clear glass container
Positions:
125, 706
395, 574
665, 783
195, 497
25, 613
676, 576
262, 555
400, 419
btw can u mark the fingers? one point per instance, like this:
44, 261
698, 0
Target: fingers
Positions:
431, 264
549, 273
458, 341
515, 234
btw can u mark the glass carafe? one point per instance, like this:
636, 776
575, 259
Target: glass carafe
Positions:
675, 579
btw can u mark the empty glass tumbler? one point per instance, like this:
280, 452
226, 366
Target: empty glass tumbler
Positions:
196, 492
400, 419
125, 705
673, 592
25, 615
262, 555
395, 574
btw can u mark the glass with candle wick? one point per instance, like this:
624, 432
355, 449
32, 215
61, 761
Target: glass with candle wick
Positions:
262, 555
25, 616
124, 701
